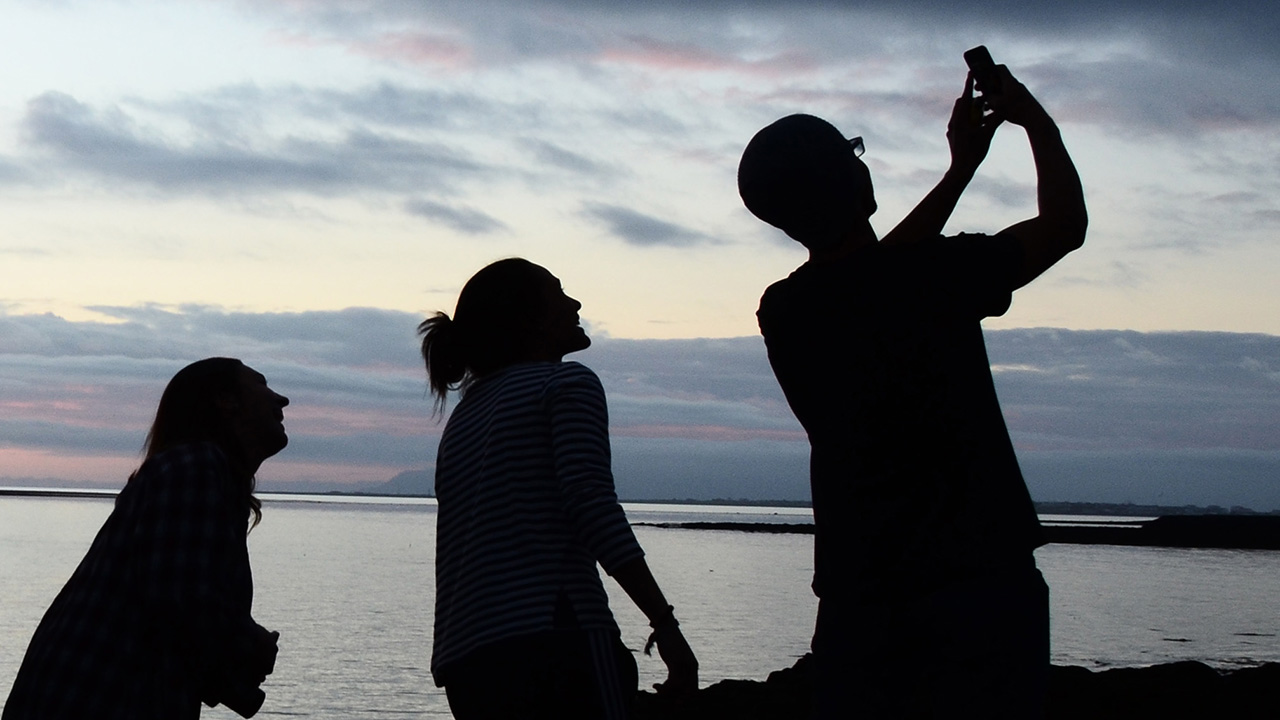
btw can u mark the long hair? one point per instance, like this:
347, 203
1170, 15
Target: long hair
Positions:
494, 325
189, 412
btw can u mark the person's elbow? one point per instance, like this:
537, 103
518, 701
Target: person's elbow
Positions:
1076, 234
1071, 230
1045, 240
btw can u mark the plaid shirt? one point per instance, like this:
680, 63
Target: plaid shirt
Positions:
156, 617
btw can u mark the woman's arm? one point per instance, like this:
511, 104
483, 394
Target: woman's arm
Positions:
195, 579
580, 440
682, 666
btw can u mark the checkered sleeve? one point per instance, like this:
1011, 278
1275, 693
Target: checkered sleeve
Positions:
193, 569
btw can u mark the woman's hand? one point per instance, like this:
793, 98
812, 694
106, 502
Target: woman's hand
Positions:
267, 648
682, 666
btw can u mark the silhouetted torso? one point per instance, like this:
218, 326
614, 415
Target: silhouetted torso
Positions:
158, 612
882, 359
527, 508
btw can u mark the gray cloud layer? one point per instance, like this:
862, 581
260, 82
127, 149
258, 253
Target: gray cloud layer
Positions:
1145, 69
1095, 415
637, 228
113, 146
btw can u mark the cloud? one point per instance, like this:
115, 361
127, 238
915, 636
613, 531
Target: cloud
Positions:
353, 337
555, 155
636, 228
674, 468
1176, 477
557, 95
1118, 390
690, 418
113, 146
68, 438
12, 173
463, 219
1115, 274
1005, 193
1131, 67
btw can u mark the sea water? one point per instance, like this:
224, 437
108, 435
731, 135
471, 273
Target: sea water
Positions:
349, 585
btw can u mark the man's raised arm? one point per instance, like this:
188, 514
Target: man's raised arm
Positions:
1060, 226
969, 136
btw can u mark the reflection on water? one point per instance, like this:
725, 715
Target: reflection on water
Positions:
1124, 606
349, 586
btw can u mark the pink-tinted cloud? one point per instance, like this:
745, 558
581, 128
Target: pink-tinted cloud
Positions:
418, 48
42, 468
331, 420
713, 433
283, 473
656, 54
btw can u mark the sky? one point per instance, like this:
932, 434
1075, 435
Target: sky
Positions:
297, 183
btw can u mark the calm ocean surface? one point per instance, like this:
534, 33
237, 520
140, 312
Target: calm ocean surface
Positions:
349, 587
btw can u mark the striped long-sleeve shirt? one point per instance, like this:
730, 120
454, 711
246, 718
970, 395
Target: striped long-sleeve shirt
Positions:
527, 509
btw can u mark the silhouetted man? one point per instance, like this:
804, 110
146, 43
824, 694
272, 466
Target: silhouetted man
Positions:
930, 603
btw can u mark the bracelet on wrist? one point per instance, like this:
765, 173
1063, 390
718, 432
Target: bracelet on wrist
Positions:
667, 621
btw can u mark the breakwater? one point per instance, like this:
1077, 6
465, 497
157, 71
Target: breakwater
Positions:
1238, 532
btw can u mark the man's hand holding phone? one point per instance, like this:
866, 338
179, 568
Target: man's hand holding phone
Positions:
1001, 93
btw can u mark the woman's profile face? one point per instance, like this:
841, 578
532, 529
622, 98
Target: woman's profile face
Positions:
258, 414
560, 329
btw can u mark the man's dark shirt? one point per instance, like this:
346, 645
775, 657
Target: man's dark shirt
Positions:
881, 356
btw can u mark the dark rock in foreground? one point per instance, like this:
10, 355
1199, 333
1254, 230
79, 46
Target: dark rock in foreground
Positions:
1169, 692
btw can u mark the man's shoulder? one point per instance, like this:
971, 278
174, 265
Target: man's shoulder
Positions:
776, 292
798, 282
778, 299
821, 279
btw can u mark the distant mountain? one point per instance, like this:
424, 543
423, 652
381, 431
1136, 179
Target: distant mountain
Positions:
409, 482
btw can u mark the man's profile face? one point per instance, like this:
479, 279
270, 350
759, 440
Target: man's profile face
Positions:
867, 193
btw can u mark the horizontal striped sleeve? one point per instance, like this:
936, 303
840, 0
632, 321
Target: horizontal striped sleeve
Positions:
580, 445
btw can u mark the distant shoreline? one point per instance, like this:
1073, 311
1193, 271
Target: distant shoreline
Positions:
1135, 525
57, 492
1130, 510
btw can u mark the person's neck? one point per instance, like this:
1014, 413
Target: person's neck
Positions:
245, 458
858, 237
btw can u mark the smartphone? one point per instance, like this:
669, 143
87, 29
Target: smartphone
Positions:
985, 77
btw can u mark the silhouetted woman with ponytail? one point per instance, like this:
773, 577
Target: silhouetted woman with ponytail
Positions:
527, 507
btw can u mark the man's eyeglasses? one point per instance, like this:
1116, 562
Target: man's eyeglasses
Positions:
858, 147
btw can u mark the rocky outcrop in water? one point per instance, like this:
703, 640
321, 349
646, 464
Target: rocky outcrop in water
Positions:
1238, 532
1169, 692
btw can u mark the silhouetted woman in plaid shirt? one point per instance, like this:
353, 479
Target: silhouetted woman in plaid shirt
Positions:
156, 619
